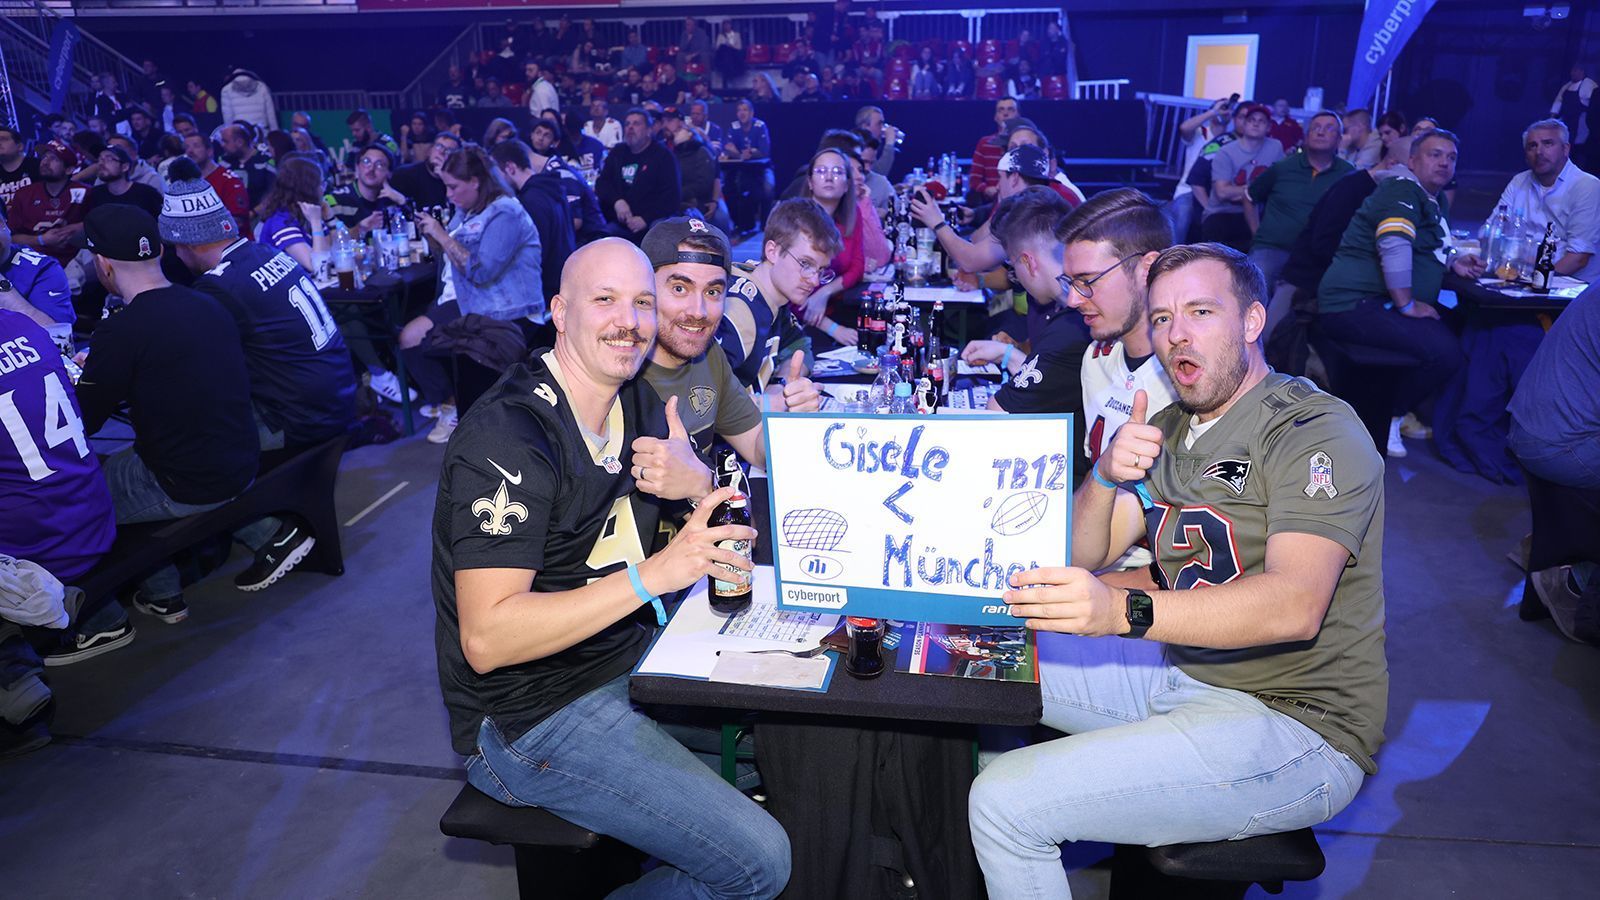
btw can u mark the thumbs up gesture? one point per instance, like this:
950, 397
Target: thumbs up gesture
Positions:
799, 393
1134, 448
669, 468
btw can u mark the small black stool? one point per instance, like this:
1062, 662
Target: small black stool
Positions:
1566, 530
1219, 870
556, 860
1363, 377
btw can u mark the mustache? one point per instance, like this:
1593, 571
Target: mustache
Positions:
629, 334
695, 322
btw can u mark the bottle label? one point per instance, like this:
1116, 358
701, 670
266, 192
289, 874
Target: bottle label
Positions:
729, 588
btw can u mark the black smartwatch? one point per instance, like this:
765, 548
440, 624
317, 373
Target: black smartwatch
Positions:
5, 285
1141, 613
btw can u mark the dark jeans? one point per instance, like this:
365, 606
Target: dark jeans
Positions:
1574, 463
1429, 343
1228, 228
748, 191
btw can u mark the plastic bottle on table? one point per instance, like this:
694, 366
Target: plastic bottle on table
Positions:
902, 404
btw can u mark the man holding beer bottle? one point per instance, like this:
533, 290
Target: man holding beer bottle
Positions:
546, 597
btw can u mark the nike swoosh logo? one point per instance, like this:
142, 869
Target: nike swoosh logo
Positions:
57, 293
1299, 422
1406, 205
514, 479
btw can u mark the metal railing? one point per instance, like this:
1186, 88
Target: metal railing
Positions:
1103, 89
32, 22
1164, 113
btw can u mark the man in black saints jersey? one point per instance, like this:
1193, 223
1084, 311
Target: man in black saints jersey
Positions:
546, 596
1257, 699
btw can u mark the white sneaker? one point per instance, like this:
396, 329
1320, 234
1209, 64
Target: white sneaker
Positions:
445, 425
387, 386
428, 411
1397, 446
1412, 427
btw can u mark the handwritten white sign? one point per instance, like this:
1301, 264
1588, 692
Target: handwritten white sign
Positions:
916, 517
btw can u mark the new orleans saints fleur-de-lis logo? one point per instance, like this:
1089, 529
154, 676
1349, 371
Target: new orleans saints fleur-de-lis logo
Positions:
498, 512
1028, 374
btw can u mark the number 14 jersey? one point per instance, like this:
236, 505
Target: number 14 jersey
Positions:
1285, 457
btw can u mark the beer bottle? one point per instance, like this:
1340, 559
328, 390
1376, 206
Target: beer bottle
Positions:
1544, 261
729, 597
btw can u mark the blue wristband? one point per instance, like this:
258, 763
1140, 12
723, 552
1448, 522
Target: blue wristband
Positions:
830, 329
1005, 361
645, 596
1101, 479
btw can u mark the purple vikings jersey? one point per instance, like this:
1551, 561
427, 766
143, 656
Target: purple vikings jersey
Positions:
57, 508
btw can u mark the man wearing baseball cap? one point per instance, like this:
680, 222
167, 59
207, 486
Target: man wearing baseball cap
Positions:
302, 386
1233, 167
173, 356
1020, 167
688, 368
46, 215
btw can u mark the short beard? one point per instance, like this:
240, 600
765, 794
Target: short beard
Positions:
668, 340
1227, 383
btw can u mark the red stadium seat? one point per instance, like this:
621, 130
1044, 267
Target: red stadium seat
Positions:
758, 54
694, 67
783, 53
990, 88
898, 68
897, 90
1055, 87
989, 52
963, 46
650, 55
1013, 49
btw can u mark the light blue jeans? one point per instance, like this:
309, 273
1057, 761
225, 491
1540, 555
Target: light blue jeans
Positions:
1154, 757
602, 764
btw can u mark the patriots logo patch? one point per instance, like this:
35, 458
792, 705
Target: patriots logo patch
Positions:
1231, 472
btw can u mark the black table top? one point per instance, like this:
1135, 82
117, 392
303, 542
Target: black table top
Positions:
1474, 295
383, 284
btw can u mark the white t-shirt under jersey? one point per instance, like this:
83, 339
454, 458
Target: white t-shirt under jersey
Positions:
1108, 389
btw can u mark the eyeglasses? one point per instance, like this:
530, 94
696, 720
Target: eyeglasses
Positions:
828, 171
1085, 287
810, 269
372, 162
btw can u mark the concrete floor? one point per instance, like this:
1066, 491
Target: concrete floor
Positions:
292, 743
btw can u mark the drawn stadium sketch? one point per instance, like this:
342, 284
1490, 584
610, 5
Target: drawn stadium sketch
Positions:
813, 529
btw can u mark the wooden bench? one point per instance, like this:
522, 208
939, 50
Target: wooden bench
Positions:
301, 485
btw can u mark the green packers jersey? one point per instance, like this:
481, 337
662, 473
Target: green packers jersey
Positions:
1285, 458
1399, 207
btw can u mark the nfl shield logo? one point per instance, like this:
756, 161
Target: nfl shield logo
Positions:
697, 225
1321, 476
144, 246
612, 465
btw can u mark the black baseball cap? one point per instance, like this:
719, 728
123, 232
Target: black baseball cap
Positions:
122, 232
1026, 160
662, 240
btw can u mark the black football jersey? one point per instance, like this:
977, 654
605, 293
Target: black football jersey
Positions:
523, 487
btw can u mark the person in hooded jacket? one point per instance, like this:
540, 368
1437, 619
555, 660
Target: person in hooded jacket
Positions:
246, 98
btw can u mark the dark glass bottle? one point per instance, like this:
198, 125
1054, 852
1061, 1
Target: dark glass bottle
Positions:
729, 597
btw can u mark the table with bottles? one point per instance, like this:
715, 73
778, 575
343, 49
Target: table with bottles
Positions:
390, 271
1519, 260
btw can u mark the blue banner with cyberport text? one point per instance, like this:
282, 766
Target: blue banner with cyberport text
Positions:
918, 518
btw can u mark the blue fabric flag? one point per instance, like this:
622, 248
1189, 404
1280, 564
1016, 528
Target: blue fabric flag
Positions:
1385, 28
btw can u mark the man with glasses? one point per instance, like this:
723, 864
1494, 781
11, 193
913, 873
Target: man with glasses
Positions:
758, 328
1047, 380
360, 205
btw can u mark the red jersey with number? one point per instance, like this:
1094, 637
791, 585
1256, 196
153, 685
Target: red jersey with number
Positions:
34, 210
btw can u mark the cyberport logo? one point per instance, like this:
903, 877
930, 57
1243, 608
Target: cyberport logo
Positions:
815, 597
821, 567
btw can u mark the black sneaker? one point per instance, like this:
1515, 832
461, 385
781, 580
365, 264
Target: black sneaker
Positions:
79, 647
276, 557
171, 611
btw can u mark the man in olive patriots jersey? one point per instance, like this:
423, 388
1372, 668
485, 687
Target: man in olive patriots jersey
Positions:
1256, 699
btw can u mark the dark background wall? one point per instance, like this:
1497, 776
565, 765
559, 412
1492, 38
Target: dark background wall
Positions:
1479, 66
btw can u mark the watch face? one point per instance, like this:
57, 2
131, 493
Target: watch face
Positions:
1141, 612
